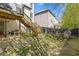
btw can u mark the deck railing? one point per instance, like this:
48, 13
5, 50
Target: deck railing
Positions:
8, 7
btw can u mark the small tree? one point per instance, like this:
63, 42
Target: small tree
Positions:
71, 16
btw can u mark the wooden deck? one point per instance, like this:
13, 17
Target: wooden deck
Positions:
5, 14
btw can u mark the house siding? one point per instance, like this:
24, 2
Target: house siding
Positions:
52, 20
42, 19
15, 24
27, 11
46, 19
12, 25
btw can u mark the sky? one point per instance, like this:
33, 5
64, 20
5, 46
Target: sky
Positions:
56, 9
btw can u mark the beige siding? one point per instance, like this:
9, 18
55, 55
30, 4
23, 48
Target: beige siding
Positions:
32, 11
52, 20
46, 20
42, 19
12, 25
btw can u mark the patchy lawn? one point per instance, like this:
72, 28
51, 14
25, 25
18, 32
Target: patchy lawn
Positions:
28, 44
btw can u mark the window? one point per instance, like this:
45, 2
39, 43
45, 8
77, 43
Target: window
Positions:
31, 14
27, 12
19, 8
2, 5
51, 21
31, 4
1, 26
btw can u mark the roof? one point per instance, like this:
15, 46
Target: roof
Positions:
44, 11
27, 6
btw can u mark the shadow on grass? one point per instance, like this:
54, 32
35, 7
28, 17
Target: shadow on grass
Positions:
70, 47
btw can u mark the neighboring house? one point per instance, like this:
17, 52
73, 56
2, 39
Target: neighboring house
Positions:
11, 25
46, 19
